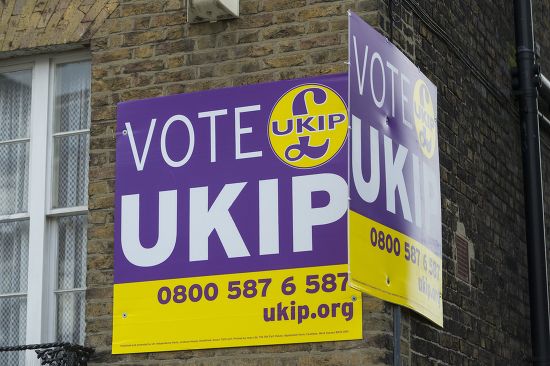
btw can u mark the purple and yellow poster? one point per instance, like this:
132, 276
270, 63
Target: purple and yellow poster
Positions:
395, 200
231, 218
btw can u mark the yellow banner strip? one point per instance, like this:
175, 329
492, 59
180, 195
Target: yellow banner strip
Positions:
246, 309
394, 267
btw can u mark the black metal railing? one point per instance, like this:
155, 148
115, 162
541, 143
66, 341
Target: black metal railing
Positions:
56, 354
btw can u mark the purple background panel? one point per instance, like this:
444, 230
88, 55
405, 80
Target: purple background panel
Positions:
329, 241
388, 120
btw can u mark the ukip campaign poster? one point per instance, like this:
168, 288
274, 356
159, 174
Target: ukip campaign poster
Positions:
231, 218
395, 199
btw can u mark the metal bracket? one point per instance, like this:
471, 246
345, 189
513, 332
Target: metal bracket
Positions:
396, 11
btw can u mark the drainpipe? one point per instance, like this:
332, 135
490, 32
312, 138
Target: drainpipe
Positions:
534, 210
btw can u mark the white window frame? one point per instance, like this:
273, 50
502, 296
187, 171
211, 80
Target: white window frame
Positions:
42, 263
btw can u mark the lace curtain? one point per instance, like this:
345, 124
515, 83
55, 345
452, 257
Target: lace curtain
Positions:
15, 105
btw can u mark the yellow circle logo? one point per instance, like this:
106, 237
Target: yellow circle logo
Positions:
424, 118
308, 126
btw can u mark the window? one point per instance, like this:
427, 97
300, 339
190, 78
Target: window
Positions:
44, 138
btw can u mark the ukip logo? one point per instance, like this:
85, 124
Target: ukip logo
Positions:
425, 118
308, 126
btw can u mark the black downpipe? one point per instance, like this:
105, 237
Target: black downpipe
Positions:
534, 210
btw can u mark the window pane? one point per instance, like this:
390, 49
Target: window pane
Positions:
14, 256
15, 104
14, 173
70, 171
13, 323
70, 189
72, 96
71, 274
14, 259
70, 317
71, 252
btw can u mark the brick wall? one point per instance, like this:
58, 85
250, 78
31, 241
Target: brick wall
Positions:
486, 319
145, 48
33, 26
